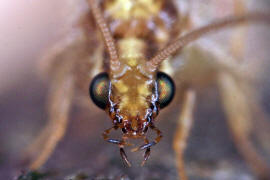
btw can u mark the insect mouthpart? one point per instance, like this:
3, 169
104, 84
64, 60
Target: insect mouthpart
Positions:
130, 132
135, 128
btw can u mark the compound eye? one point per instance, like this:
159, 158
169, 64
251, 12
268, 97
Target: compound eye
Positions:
99, 90
166, 89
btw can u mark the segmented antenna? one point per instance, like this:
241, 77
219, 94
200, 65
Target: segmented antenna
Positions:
182, 41
109, 41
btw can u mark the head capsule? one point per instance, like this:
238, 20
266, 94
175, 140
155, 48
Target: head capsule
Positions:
132, 101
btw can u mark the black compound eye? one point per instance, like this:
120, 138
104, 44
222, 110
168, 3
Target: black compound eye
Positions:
99, 90
166, 89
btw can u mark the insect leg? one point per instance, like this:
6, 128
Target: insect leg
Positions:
124, 157
35, 146
239, 35
114, 141
60, 97
146, 156
147, 152
106, 136
58, 64
183, 129
120, 143
239, 118
148, 145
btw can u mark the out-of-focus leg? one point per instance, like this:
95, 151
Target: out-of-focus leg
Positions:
69, 60
60, 97
183, 129
239, 35
239, 119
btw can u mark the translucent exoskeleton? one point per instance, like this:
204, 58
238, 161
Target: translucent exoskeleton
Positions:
126, 48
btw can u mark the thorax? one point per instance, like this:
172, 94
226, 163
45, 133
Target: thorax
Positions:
140, 28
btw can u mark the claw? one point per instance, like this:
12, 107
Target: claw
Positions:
148, 145
114, 141
145, 146
124, 157
119, 142
146, 156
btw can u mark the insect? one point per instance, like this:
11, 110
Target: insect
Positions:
133, 42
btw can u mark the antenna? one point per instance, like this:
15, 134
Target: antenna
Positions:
107, 36
184, 40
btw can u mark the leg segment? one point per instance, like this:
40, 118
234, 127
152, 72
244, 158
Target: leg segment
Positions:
120, 143
183, 129
146, 156
147, 152
106, 136
239, 35
148, 145
124, 157
239, 120
60, 97
59, 63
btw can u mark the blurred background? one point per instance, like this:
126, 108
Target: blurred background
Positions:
28, 28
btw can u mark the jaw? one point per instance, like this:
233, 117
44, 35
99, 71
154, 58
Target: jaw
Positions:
131, 134
134, 135
135, 128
